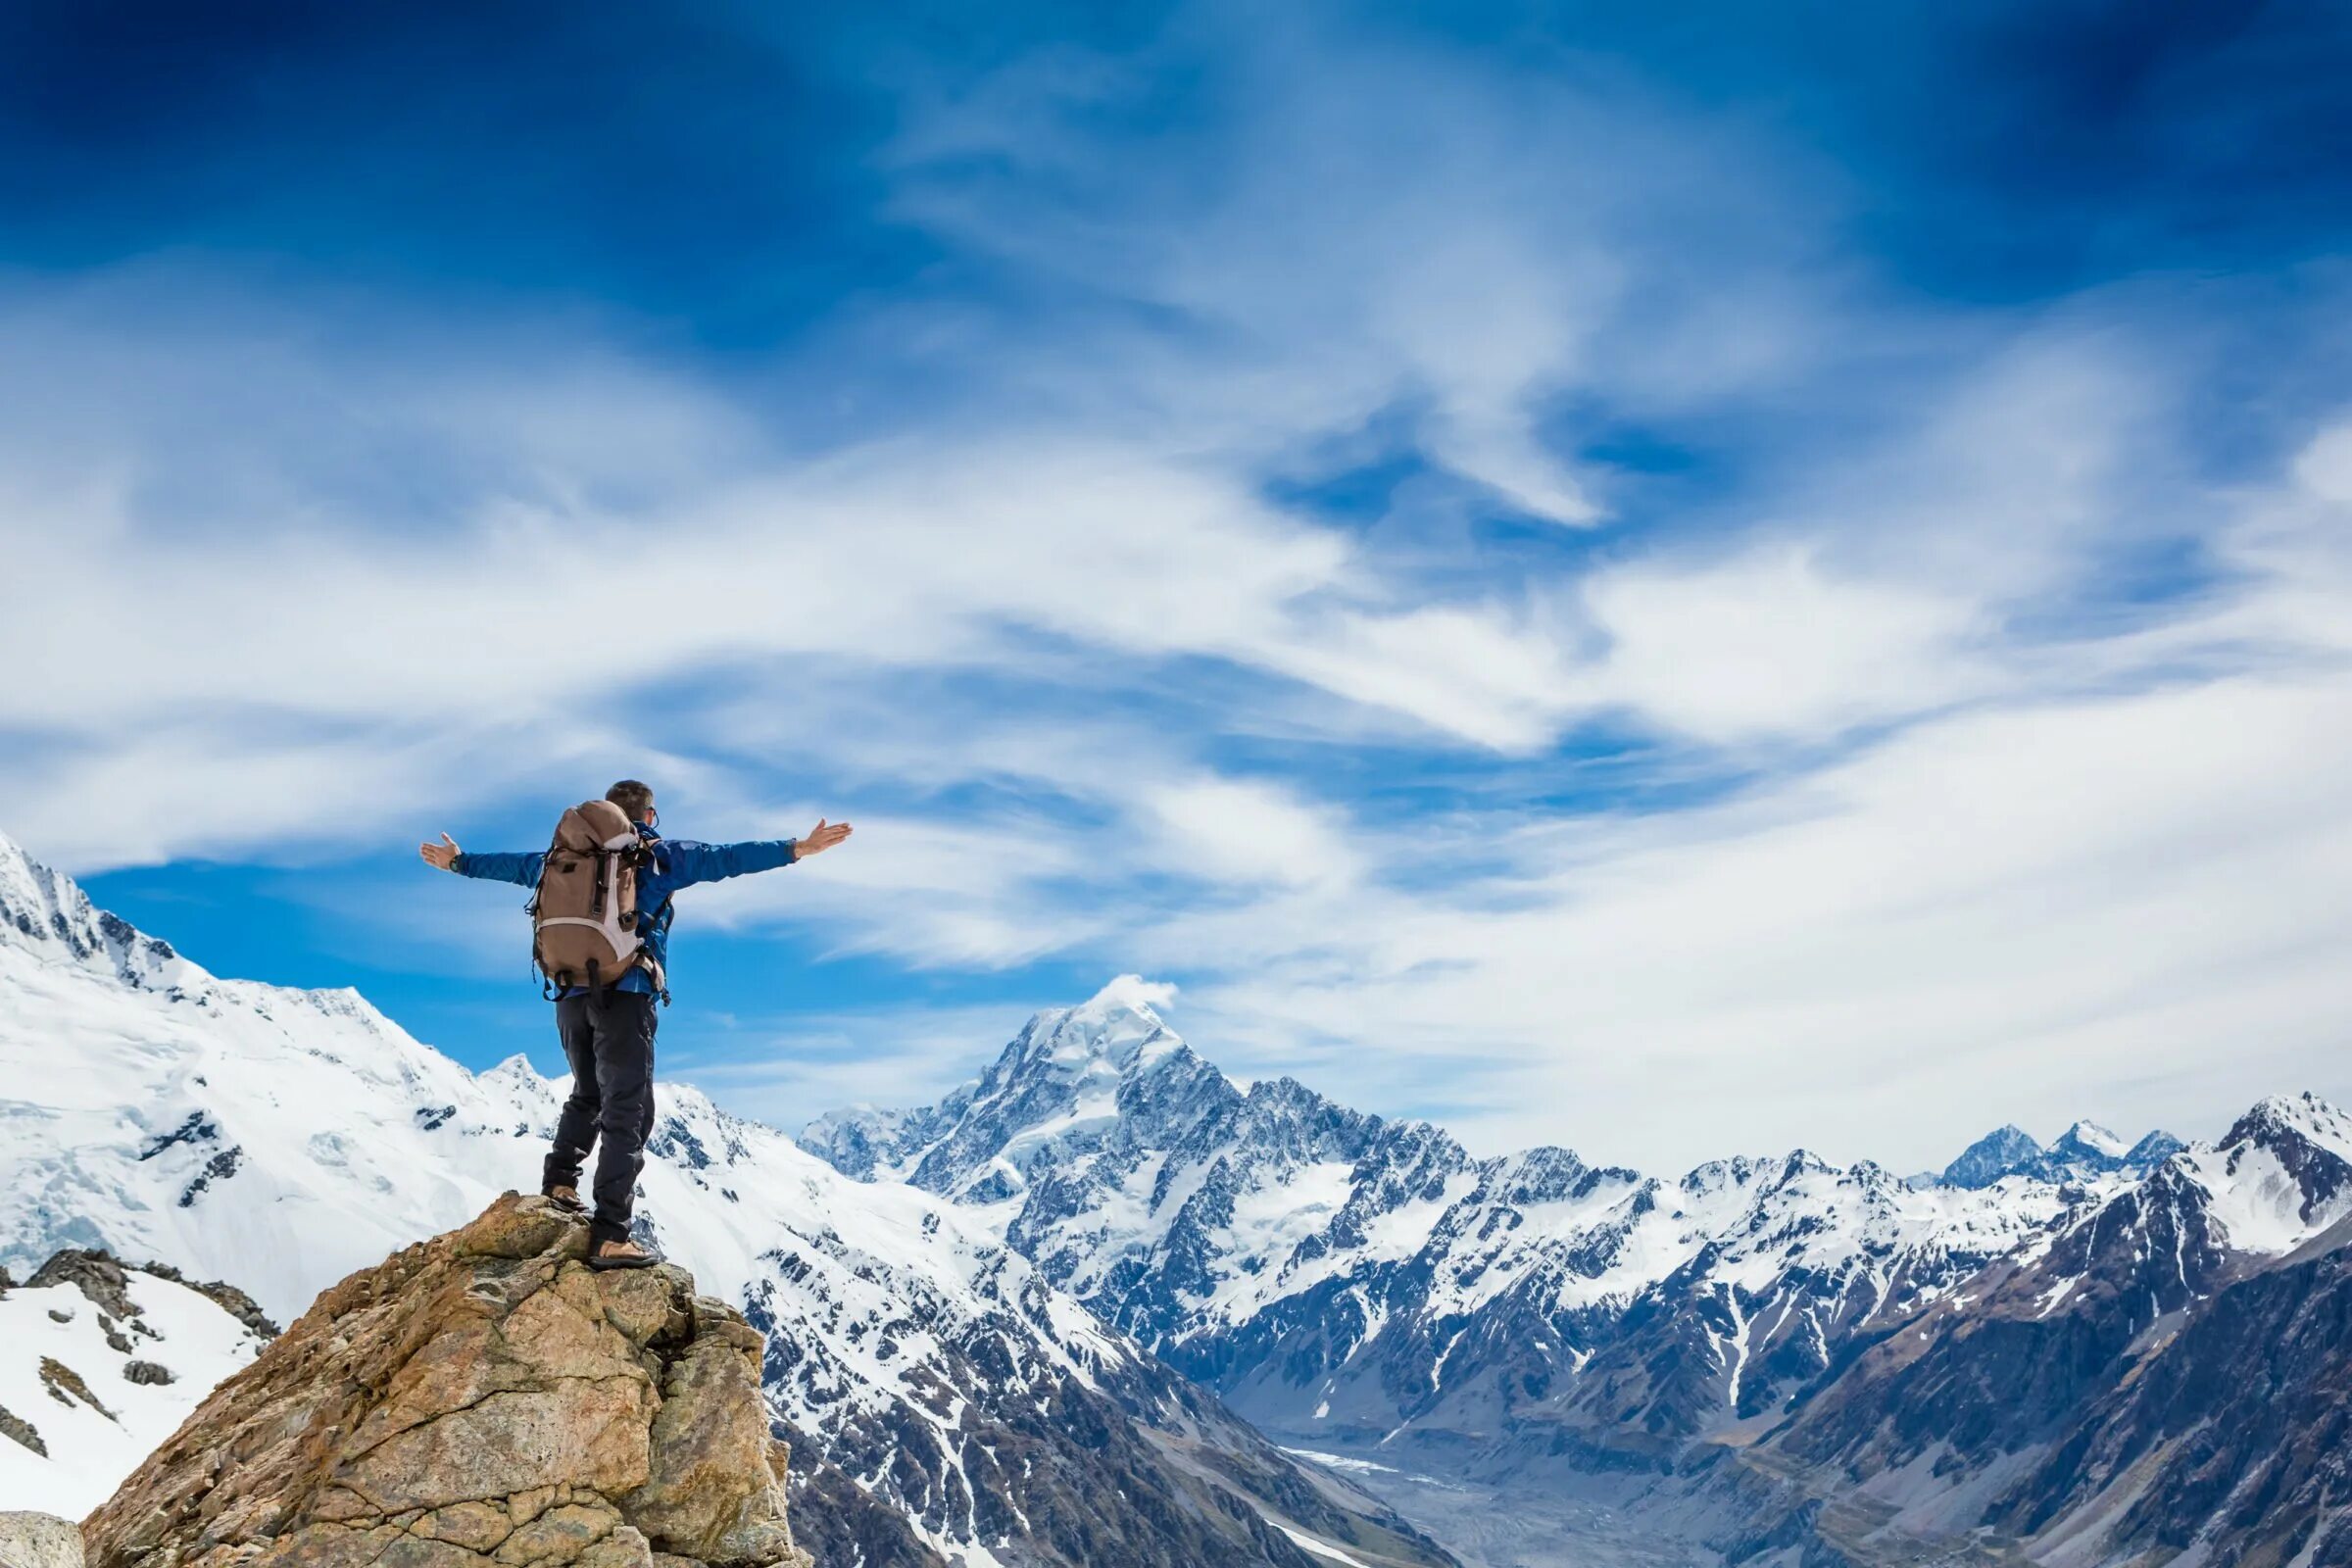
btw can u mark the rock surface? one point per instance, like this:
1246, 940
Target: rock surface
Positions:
39, 1541
481, 1399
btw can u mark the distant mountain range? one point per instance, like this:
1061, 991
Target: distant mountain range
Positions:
1763, 1338
2082, 1153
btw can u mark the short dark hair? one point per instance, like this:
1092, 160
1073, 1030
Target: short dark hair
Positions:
632, 797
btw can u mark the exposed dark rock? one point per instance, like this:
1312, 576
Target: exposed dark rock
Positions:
65, 1386
16, 1428
235, 1303
198, 1128
219, 1168
96, 1274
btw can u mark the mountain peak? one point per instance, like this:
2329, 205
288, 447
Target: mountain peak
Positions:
45, 913
2003, 1151
1115, 1036
1128, 995
517, 1071
2304, 1118
1119, 1024
2091, 1138
2084, 1151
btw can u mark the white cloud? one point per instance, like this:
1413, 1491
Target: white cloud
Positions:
1769, 644
2325, 467
230, 790
2038, 906
927, 892
789, 1069
1245, 833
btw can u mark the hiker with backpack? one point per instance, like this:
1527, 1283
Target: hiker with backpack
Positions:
601, 915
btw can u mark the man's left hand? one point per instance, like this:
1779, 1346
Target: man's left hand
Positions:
819, 839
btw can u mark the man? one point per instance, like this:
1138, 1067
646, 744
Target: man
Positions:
608, 1036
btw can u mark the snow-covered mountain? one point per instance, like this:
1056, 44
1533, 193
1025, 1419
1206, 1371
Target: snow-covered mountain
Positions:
1906, 1351
2082, 1153
2091, 1348
947, 1399
2164, 1371
1343, 1276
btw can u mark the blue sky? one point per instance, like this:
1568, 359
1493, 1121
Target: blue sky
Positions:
1665, 582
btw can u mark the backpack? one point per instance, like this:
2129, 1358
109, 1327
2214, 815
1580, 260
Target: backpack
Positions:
584, 913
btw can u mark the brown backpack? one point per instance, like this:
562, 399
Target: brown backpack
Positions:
585, 912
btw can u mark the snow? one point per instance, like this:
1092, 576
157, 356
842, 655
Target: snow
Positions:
1320, 1549
2055, 1297
2258, 1202
1270, 1222
1097, 1107
90, 1450
2092, 1136
962, 1554
1342, 1462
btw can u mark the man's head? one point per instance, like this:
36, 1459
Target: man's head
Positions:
635, 799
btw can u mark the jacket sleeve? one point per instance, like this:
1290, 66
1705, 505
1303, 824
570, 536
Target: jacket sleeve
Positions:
522, 869
691, 863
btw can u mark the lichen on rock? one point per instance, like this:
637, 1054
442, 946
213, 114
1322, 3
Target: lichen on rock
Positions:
479, 1401
39, 1541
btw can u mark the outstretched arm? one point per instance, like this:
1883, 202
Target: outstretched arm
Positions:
691, 863
521, 869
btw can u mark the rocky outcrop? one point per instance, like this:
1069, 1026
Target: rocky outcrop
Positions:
479, 1401
17, 1430
106, 1280
96, 1274
235, 1303
39, 1541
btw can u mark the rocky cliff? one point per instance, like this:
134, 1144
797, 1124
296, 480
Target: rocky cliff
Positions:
481, 1399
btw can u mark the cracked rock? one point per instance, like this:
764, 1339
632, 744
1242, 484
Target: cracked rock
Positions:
479, 1401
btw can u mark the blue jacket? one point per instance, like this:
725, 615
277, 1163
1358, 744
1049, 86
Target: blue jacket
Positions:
677, 863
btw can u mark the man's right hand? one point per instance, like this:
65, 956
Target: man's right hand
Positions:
443, 855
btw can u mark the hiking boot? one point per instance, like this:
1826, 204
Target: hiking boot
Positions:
566, 1199
621, 1255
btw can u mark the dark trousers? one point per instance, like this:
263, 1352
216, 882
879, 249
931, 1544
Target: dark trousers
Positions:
608, 1040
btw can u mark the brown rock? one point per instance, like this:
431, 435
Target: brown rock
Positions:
479, 1401
710, 1432
475, 1526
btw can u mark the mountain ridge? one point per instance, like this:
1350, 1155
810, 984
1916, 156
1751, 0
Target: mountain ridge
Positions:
1234, 1230
1726, 1355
